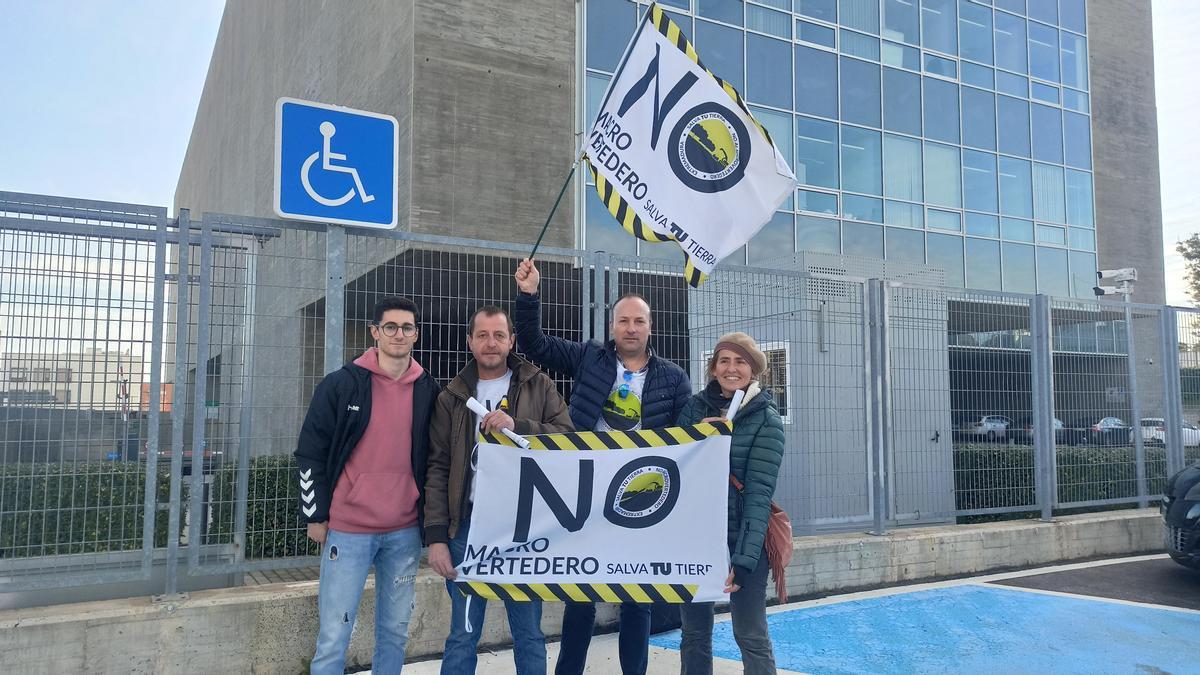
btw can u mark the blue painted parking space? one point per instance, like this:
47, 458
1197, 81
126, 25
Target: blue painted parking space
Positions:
975, 628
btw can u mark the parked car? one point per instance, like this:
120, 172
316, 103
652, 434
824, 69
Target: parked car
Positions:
1022, 431
1181, 517
1154, 432
990, 427
1096, 430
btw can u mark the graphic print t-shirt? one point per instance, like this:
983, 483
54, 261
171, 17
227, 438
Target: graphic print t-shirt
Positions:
623, 413
492, 394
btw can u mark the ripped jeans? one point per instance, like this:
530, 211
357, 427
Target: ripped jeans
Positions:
345, 560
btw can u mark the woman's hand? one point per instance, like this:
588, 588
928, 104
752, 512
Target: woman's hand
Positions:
731, 587
709, 420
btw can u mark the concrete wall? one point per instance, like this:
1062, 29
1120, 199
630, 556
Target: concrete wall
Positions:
1125, 143
271, 628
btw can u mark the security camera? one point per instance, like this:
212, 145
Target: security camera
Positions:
1111, 290
1123, 274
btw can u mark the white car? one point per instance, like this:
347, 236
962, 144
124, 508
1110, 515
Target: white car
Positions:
1154, 431
991, 427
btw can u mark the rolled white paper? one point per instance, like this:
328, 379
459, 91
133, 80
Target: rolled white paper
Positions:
477, 408
735, 403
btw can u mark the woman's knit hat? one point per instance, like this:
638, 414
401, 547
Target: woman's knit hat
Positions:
744, 346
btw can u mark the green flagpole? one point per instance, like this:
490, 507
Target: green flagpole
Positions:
554, 208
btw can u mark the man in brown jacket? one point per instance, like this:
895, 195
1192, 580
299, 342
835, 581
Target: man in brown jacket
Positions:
519, 397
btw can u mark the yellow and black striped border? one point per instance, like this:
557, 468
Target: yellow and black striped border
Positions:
614, 440
643, 593
613, 201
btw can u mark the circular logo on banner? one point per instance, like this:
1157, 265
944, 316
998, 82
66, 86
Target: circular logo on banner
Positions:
711, 148
643, 492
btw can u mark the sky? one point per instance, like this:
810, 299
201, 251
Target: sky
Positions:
97, 100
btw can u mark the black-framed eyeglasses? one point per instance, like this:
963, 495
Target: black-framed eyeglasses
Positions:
389, 329
623, 390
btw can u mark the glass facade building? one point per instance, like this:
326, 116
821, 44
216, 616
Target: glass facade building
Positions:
952, 133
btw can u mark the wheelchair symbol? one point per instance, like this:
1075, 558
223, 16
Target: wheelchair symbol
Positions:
327, 156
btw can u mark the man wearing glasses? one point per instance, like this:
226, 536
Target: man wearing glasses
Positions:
520, 398
361, 454
621, 386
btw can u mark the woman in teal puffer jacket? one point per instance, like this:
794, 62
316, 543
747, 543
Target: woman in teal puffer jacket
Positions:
755, 455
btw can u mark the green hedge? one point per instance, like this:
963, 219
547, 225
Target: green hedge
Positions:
62, 508
273, 526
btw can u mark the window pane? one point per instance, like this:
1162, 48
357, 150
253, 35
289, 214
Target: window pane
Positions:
944, 220
905, 245
941, 66
860, 15
816, 152
610, 25
1049, 234
1043, 92
816, 82
1074, 61
1044, 11
942, 175
596, 84
941, 110
768, 71
975, 26
1047, 133
818, 234
1075, 100
1016, 192
682, 4
819, 202
1007, 83
901, 101
983, 225
1072, 15
1048, 199
729, 11
901, 55
983, 264
603, 231
1079, 198
769, 21
1081, 238
1078, 140
816, 34
1083, 273
825, 10
901, 21
860, 92
862, 240
774, 240
1012, 119
1016, 230
980, 76
1043, 52
1020, 268
722, 48
979, 181
1053, 278
904, 215
682, 20
939, 18
946, 252
856, 207
1017, 6
1010, 42
979, 118
902, 168
857, 44
862, 169
779, 125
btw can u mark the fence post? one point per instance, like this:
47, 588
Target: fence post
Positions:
200, 396
600, 297
1173, 415
335, 296
155, 403
246, 414
1042, 378
586, 264
1139, 446
879, 386
178, 412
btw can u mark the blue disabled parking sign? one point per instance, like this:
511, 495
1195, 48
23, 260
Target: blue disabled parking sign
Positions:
335, 164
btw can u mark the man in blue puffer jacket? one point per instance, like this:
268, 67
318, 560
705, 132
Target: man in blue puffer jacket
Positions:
618, 386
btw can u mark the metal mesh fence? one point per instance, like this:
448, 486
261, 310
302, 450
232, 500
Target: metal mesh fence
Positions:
154, 375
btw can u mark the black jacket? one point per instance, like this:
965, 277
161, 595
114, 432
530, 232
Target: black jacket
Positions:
336, 420
594, 367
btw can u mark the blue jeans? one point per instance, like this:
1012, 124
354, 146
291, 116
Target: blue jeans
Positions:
633, 643
345, 560
748, 605
466, 624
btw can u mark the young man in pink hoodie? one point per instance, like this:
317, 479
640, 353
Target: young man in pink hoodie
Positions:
362, 456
